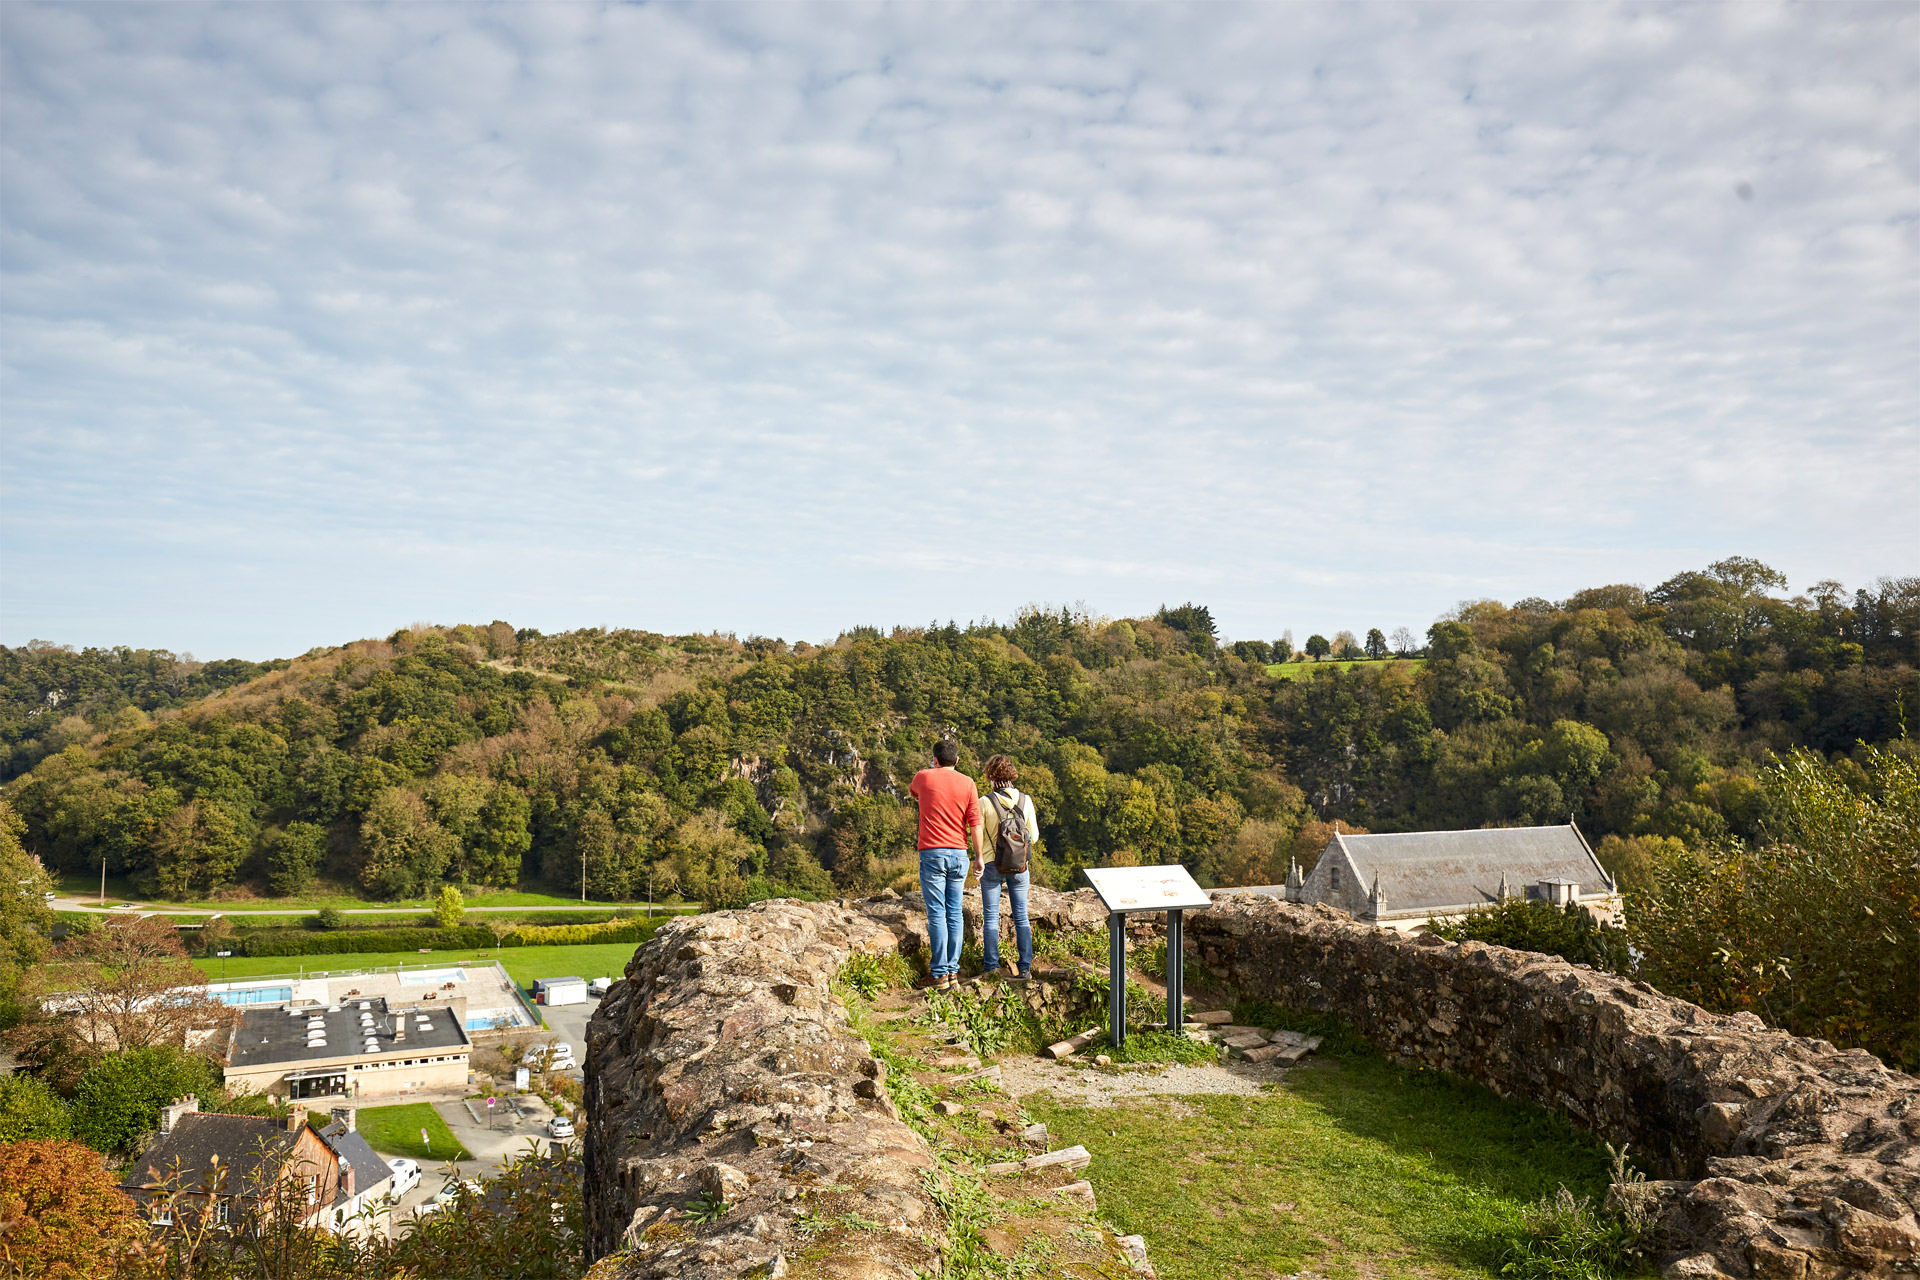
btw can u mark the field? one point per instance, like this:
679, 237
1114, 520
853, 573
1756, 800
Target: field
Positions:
523, 964
1305, 670
395, 1131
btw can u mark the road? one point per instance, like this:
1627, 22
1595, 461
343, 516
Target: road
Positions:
77, 904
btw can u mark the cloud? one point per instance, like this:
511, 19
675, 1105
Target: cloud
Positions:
318, 319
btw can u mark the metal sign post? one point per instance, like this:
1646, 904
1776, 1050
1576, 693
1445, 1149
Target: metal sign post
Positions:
1125, 890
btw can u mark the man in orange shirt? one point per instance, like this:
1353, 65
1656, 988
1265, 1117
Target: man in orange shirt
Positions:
949, 825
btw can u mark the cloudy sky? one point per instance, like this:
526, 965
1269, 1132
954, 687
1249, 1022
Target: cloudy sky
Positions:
317, 320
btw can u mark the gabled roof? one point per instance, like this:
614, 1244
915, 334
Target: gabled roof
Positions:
249, 1148
1436, 870
369, 1170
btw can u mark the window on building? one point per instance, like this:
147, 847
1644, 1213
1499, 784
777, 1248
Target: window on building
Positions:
221, 1209
1336, 877
162, 1215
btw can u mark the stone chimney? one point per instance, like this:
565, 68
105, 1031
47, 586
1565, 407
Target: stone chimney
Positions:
345, 1116
1296, 882
346, 1178
296, 1118
170, 1114
1505, 890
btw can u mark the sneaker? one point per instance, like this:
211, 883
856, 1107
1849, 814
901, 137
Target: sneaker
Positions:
1025, 975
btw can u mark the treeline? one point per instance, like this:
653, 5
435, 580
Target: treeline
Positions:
725, 769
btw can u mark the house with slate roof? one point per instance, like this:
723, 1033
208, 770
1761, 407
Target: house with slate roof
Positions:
1406, 879
223, 1170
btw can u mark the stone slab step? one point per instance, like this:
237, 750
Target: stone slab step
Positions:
1072, 1158
1080, 1192
1073, 1044
1245, 1040
1217, 1018
1034, 1135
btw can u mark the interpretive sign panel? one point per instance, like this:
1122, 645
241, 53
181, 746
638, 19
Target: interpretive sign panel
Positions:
1125, 889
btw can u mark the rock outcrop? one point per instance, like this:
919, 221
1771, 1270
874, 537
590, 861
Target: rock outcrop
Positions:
722, 1077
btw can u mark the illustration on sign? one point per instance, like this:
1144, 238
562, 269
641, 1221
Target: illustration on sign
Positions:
1147, 888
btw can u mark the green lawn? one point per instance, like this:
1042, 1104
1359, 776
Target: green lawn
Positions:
395, 1131
523, 964
1305, 670
119, 890
1352, 1167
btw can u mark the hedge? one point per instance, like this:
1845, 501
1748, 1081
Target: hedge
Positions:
304, 942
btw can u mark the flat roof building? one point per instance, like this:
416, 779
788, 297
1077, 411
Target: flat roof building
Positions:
356, 1048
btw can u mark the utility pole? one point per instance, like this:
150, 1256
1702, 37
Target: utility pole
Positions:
583, 873
103, 879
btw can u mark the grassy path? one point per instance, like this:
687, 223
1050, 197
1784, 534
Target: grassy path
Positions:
1352, 1167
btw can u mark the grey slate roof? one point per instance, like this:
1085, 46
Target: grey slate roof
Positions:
246, 1145
369, 1170
1431, 870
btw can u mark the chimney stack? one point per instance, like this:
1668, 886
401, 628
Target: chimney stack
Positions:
170, 1114
296, 1118
345, 1116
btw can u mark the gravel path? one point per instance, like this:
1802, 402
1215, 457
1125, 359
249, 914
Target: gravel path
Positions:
1022, 1076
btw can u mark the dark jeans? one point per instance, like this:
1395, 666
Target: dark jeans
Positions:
990, 882
943, 882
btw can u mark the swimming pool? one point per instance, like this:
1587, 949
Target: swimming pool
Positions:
432, 977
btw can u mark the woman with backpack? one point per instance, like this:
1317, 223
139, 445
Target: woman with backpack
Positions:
1011, 830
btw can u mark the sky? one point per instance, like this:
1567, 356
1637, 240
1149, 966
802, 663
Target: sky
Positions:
320, 320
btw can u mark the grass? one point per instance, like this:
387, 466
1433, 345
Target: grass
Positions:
1305, 670
1353, 1166
395, 1131
523, 964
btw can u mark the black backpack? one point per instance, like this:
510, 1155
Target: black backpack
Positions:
1012, 842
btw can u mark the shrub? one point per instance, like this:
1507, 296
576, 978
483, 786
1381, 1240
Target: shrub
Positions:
1566, 1238
449, 907
1569, 932
326, 918
65, 1219
119, 1098
29, 1109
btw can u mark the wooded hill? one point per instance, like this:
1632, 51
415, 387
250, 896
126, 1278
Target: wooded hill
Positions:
732, 769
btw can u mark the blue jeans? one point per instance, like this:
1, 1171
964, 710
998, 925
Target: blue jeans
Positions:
943, 883
990, 882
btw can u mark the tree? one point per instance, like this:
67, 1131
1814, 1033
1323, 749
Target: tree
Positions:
1345, 646
1283, 648
128, 985
1376, 644
293, 856
1403, 641
449, 907
64, 1217
1317, 647
403, 851
30, 1109
120, 1097
26, 922
1816, 929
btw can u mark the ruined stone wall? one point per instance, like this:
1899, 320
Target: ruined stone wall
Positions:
1781, 1156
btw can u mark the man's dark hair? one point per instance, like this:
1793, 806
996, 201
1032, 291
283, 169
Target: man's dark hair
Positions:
945, 752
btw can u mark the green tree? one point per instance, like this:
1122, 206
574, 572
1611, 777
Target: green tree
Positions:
120, 1097
403, 851
449, 908
30, 1109
1817, 929
293, 855
504, 835
26, 921
1376, 644
1317, 646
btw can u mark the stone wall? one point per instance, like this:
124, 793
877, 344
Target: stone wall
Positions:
1780, 1156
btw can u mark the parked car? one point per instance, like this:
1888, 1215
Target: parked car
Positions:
448, 1194
551, 1057
599, 987
559, 1127
406, 1176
